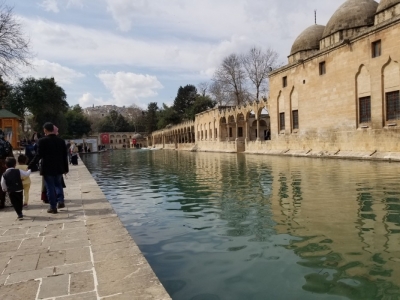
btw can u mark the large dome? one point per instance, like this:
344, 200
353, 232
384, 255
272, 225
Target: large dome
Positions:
352, 14
308, 39
384, 4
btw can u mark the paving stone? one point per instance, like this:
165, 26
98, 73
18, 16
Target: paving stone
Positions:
9, 246
135, 281
77, 255
74, 225
7, 238
3, 262
98, 240
155, 292
34, 250
54, 286
84, 296
135, 261
117, 253
29, 275
22, 263
52, 240
15, 231
19, 291
36, 229
31, 243
74, 268
111, 246
51, 259
103, 221
54, 227
81, 282
3, 279
71, 244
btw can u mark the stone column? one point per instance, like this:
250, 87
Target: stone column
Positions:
258, 129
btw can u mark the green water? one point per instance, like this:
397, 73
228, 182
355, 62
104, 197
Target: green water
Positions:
227, 226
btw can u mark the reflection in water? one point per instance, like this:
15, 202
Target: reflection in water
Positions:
225, 226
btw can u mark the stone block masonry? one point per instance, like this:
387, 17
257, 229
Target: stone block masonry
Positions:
83, 252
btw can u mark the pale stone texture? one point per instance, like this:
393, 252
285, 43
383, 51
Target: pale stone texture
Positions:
29, 275
19, 291
81, 282
84, 296
65, 250
54, 286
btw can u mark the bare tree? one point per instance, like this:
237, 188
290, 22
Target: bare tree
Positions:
14, 46
232, 77
221, 95
135, 114
257, 65
203, 87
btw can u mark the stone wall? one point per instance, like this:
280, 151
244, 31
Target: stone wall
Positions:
328, 104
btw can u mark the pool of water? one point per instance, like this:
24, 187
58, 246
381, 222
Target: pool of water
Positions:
235, 226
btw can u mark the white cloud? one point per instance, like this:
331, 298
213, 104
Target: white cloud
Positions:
85, 46
128, 88
50, 5
43, 68
88, 100
179, 41
54, 5
125, 88
75, 3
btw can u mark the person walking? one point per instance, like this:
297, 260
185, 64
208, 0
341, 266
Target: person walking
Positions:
26, 182
6, 150
73, 149
11, 182
52, 150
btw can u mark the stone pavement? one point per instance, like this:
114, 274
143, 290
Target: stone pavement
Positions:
83, 252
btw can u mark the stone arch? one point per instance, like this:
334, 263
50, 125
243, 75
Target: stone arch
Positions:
294, 108
363, 90
281, 110
390, 85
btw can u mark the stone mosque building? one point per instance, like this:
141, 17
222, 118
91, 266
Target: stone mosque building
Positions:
338, 94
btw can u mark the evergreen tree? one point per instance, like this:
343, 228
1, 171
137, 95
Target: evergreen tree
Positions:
184, 100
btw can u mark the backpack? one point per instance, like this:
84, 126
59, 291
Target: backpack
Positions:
5, 148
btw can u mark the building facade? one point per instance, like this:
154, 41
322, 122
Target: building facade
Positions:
340, 90
337, 96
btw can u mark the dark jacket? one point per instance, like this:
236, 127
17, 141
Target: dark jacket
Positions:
54, 155
13, 180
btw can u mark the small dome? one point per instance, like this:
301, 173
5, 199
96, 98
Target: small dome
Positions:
308, 39
384, 4
137, 136
352, 14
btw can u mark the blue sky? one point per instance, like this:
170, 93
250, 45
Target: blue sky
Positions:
128, 52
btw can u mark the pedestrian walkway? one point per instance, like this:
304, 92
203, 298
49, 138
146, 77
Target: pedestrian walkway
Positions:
83, 252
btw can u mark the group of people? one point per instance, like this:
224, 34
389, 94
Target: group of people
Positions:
52, 153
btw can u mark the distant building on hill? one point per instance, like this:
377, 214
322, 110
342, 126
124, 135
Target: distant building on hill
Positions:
104, 110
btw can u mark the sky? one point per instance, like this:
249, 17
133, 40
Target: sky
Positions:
126, 52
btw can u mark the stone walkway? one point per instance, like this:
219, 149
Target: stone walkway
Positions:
83, 252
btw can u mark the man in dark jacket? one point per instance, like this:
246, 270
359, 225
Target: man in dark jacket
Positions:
52, 150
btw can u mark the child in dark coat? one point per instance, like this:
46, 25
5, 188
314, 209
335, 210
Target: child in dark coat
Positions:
11, 182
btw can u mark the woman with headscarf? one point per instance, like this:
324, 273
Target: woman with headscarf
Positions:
74, 153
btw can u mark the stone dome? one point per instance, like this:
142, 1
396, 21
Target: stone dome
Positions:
384, 4
308, 39
352, 14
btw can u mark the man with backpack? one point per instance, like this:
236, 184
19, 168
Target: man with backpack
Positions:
6, 150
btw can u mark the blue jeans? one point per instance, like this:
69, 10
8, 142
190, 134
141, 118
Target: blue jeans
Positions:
55, 192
